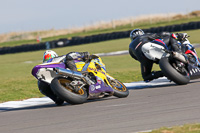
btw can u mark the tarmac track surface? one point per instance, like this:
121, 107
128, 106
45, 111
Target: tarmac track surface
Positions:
143, 109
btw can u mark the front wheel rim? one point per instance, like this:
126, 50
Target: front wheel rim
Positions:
118, 86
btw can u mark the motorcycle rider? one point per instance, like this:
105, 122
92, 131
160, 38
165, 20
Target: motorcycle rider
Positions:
69, 60
139, 38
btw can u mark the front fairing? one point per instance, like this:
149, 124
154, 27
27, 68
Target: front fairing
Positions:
102, 84
97, 71
100, 87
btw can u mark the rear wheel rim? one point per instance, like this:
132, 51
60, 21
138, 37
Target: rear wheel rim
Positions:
182, 70
66, 84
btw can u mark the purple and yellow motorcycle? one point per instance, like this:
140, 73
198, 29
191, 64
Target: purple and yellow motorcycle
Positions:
91, 81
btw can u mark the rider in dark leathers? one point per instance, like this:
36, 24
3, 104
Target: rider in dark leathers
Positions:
72, 56
139, 38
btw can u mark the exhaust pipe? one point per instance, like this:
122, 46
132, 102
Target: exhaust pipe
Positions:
73, 74
179, 57
67, 72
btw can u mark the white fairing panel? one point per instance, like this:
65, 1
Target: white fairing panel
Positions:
46, 74
153, 51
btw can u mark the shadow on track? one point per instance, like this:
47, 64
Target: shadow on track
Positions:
131, 86
52, 105
154, 84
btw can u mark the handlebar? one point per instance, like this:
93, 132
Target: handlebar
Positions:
91, 57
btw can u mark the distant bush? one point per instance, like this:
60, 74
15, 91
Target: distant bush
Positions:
195, 13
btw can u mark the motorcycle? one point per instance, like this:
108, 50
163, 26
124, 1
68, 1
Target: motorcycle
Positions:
177, 67
91, 81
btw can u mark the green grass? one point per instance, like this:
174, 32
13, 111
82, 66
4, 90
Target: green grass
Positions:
187, 128
17, 83
141, 25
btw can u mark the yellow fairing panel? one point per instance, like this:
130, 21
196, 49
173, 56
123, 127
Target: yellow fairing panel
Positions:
79, 65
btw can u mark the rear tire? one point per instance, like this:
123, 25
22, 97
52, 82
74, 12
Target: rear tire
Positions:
60, 86
170, 72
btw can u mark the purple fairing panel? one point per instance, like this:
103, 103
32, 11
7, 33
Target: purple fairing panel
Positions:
77, 61
36, 68
99, 87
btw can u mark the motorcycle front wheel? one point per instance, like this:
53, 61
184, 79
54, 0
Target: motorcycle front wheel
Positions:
62, 88
170, 70
119, 88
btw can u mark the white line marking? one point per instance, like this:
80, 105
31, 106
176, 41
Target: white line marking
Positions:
118, 105
25, 103
46, 100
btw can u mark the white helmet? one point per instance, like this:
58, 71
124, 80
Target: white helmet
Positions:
49, 54
134, 33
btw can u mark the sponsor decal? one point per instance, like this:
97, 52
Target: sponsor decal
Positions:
195, 70
98, 87
99, 81
93, 87
96, 70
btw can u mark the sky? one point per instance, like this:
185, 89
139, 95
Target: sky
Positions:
30, 15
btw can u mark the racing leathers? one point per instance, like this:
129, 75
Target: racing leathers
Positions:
75, 56
135, 50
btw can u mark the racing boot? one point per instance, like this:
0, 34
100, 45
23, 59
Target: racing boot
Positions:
153, 75
59, 101
45, 89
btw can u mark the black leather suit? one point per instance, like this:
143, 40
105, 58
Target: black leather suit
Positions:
70, 57
146, 65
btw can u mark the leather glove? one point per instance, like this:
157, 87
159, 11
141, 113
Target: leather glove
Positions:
181, 36
94, 56
86, 55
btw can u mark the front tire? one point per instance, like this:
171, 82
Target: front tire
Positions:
170, 72
61, 87
119, 88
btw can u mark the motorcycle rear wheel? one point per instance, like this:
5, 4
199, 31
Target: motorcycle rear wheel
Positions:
180, 78
119, 88
61, 87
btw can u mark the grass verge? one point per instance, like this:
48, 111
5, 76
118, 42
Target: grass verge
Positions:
17, 83
142, 25
187, 128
